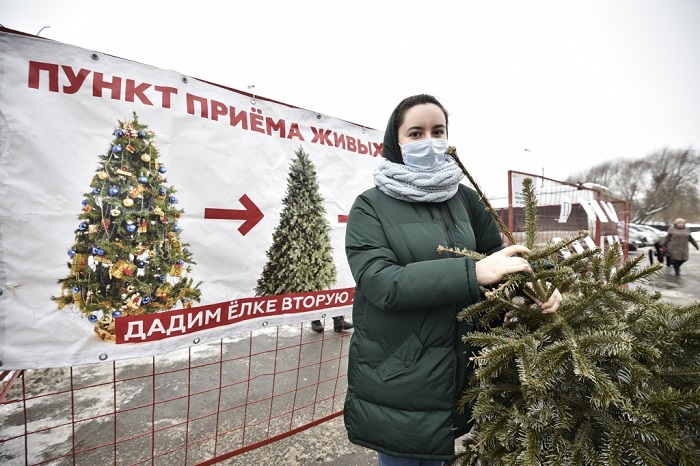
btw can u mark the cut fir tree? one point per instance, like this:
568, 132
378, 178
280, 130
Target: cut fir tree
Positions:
127, 257
612, 378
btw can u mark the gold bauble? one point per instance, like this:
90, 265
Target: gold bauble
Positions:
128, 202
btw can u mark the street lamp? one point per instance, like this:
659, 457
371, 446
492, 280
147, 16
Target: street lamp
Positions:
541, 161
42, 29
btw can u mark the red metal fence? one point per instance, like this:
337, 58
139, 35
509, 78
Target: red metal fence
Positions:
195, 406
564, 209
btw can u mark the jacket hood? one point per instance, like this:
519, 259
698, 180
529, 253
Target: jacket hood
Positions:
391, 150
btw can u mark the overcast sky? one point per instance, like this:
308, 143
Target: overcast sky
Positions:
577, 82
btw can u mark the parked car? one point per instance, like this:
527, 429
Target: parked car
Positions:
635, 239
633, 244
640, 235
651, 234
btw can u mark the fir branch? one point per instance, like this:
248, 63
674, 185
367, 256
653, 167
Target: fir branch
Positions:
452, 152
553, 248
530, 213
580, 261
477, 256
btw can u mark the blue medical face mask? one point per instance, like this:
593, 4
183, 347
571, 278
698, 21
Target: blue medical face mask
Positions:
425, 153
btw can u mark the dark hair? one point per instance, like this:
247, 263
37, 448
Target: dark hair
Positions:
391, 149
408, 102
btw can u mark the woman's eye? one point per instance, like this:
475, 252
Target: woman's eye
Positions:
414, 134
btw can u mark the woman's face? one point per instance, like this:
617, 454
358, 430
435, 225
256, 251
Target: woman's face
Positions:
422, 121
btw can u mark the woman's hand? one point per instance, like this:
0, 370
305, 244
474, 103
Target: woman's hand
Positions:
552, 304
493, 268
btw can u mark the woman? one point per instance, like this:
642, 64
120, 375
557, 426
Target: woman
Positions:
407, 364
676, 243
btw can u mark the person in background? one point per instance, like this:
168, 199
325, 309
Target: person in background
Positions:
660, 253
407, 363
676, 243
339, 325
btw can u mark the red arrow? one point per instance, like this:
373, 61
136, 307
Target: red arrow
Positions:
251, 214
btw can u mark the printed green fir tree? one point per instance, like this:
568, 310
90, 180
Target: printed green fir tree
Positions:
127, 258
613, 378
300, 258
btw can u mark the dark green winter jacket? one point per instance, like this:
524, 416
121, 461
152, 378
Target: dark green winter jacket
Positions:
407, 363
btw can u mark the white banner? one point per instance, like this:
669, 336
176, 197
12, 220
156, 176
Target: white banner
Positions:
109, 168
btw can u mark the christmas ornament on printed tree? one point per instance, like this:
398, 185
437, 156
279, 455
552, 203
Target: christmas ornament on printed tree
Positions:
127, 257
613, 378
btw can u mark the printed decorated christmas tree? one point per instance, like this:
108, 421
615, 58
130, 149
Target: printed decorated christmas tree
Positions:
612, 378
300, 258
127, 257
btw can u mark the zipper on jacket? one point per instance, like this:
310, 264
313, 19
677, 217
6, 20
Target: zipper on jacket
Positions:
446, 216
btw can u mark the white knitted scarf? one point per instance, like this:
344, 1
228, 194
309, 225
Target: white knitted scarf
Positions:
410, 184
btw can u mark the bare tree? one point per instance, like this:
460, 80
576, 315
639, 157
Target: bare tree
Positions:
630, 180
674, 177
660, 186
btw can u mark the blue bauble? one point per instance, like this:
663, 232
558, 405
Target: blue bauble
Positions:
145, 300
177, 229
117, 148
76, 289
140, 264
95, 252
119, 133
116, 313
71, 252
85, 202
162, 169
143, 179
92, 318
142, 134
96, 190
180, 262
162, 191
172, 200
131, 228
83, 226
161, 278
113, 191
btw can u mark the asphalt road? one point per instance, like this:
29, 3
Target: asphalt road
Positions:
683, 288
